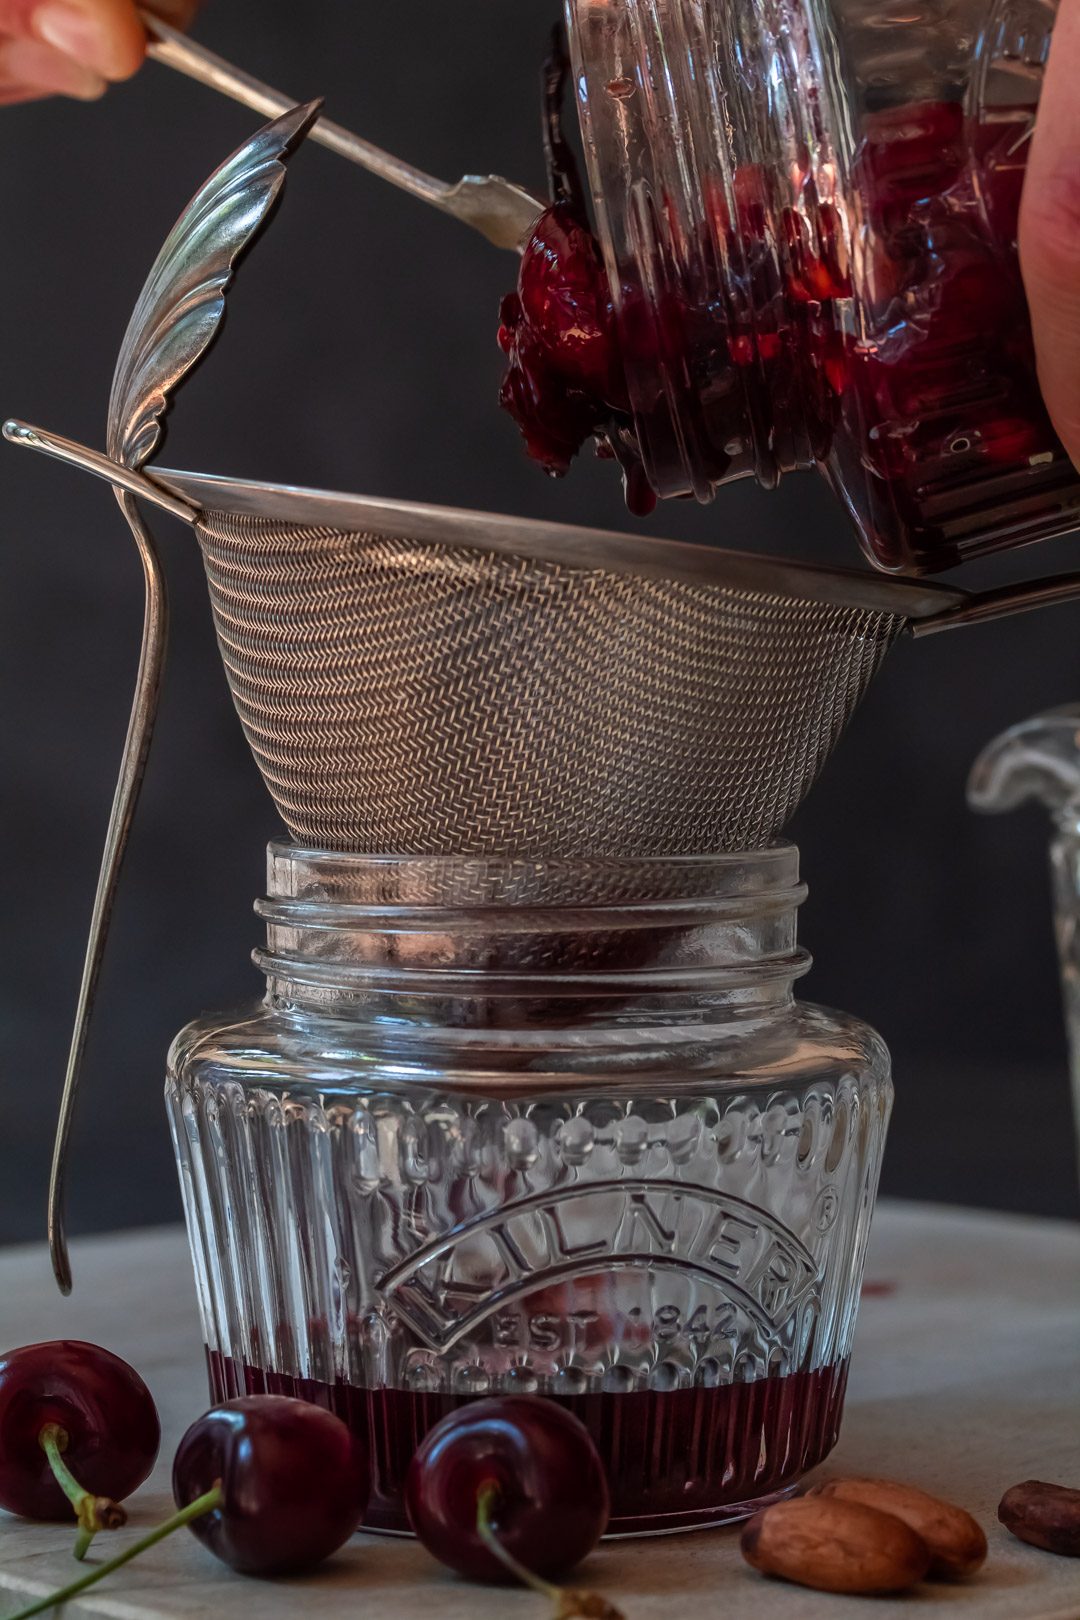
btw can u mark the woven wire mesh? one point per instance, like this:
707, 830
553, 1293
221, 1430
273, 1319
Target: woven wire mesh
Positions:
406, 697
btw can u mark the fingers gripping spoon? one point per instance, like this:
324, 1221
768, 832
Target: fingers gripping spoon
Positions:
500, 210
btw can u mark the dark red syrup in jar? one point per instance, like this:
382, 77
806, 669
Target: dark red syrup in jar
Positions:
674, 1458
910, 383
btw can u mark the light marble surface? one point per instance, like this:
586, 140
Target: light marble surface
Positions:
966, 1378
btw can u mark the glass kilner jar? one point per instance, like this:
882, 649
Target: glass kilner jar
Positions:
808, 211
547, 1126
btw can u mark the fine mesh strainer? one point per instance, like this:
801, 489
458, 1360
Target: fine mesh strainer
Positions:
406, 694
422, 681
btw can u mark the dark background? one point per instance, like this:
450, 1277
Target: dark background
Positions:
360, 354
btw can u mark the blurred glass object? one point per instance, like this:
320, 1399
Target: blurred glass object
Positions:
1040, 759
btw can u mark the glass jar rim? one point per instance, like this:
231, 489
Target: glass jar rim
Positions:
779, 849
303, 874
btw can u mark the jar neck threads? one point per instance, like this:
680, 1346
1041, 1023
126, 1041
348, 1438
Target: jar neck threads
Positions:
483, 943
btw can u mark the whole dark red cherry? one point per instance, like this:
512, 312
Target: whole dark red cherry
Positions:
549, 1504
107, 1421
294, 1482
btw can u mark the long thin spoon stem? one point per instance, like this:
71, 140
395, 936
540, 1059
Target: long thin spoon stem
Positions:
175, 50
502, 211
129, 783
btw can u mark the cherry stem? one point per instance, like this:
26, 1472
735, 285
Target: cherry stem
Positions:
570, 1603
93, 1513
487, 1500
202, 1504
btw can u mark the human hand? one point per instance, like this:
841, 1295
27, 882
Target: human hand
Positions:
1050, 230
74, 47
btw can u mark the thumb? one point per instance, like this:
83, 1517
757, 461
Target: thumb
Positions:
1050, 230
104, 36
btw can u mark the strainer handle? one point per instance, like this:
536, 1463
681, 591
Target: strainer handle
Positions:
986, 606
78, 455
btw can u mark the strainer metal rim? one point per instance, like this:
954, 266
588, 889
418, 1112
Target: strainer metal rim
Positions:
568, 545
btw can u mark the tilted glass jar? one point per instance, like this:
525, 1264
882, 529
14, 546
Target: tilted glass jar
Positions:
808, 214
539, 1126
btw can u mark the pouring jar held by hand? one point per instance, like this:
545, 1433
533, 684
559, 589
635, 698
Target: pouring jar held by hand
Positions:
808, 216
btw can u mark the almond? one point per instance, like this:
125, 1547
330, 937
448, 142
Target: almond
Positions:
1047, 1516
835, 1546
956, 1542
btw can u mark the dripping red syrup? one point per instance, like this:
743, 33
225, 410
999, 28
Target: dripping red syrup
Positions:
675, 1459
936, 409
565, 381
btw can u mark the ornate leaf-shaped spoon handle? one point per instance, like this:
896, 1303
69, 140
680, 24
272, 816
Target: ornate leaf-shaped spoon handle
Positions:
500, 210
175, 321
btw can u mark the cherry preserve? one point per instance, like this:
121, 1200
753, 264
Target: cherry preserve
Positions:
539, 1126
805, 255
674, 1458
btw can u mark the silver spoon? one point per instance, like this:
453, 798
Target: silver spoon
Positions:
503, 212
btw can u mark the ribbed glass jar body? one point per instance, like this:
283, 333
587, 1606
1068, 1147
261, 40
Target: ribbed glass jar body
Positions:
808, 214
552, 1127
